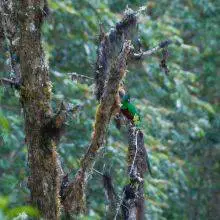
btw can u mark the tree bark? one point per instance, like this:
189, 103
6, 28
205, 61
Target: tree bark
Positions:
111, 66
133, 199
35, 92
75, 192
110, 195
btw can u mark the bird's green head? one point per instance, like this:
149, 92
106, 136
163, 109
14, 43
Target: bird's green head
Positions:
126, 98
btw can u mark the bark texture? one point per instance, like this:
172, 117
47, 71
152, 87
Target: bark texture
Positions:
110, 46
9, 31
35, 91
133, 200
110, 195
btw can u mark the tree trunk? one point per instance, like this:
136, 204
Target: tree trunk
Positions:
35, 91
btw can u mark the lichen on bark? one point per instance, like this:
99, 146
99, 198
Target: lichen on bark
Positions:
45, 171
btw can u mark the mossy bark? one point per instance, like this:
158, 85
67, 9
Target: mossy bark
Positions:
133, 202
76, 190
35, 91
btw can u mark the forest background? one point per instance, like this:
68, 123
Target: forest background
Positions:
180, 110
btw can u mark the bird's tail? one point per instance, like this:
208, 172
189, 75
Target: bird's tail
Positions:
148, 165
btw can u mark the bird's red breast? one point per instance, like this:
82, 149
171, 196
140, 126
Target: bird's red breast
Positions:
127, 114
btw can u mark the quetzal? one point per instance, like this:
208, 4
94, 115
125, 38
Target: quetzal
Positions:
132, 114
129, 110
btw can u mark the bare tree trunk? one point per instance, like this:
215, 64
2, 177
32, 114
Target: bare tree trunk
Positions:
35, 91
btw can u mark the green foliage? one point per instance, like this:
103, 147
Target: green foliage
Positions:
180, 110
20, 212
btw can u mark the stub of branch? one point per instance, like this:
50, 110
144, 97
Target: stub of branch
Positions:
54, 126
81, 78
163, 62
109, 48
11, 82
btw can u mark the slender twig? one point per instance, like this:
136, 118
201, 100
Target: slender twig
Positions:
150, 52
7, 81
76, 76
11, 82
97, 172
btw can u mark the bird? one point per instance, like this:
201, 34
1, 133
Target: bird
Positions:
129, 110
132, 114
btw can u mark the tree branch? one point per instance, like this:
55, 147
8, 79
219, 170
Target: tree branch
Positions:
110, 69
75, 191
110, 46
9, 24
80, 77
11, 82
152, 51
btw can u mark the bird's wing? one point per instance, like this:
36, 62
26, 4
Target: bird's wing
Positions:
132, 109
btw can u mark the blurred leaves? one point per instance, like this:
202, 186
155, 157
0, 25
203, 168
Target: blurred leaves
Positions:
180, 111
20, 212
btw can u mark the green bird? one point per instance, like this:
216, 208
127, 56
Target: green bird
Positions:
129, 110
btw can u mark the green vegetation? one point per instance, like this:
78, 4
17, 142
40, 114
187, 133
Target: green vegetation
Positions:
180, 111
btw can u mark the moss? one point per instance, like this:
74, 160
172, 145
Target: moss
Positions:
26, 94
47, 90
40, 99
97, 119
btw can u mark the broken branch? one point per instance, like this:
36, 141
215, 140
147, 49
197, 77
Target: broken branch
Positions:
152, 51
11, 82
